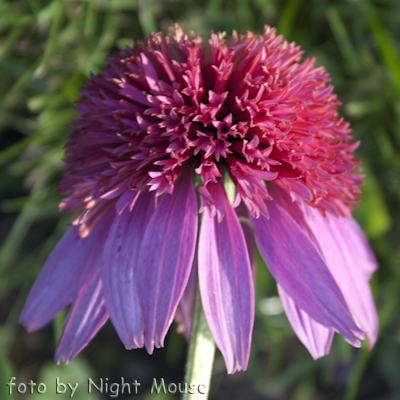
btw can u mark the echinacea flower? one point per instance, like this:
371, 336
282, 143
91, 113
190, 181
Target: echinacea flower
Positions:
163, 130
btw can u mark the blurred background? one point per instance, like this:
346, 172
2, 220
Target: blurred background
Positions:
47, 51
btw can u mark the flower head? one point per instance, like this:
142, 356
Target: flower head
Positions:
170, 121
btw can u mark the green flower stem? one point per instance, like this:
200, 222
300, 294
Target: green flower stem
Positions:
200, 356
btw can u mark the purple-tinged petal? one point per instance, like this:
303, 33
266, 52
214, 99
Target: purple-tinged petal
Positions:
361, 250
121, 258
242, 212
297, 265
226, 285
127, 199
166, 258
183, 315
63, 273
347, 254
316, 337
336, 240
87, 315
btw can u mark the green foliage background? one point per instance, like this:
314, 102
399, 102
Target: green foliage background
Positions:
47, 51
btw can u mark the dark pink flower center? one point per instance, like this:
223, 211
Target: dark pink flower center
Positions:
246, 107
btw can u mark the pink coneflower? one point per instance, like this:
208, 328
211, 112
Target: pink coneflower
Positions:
163, 130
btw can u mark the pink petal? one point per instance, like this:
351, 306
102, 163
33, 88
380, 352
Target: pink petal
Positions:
361, 250
316, 337
120, 270
241, 211
226, 285
87, 315
337, 238
63, 273
166, 258
297, 265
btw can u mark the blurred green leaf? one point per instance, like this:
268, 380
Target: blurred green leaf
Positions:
5, 375
372, 212
288, 15
343, 40
15, 150
58, 323
74, 376
146, 16
384, 43
354, 380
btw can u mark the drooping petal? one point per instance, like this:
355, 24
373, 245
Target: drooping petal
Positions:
120, 272
298, 266
87, 315
226, 285
316, 337
166, 258
63, 273
360, 248
242, 212
183, 315
336, 240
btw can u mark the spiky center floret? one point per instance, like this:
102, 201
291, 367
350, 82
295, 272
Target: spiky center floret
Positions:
246, 106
